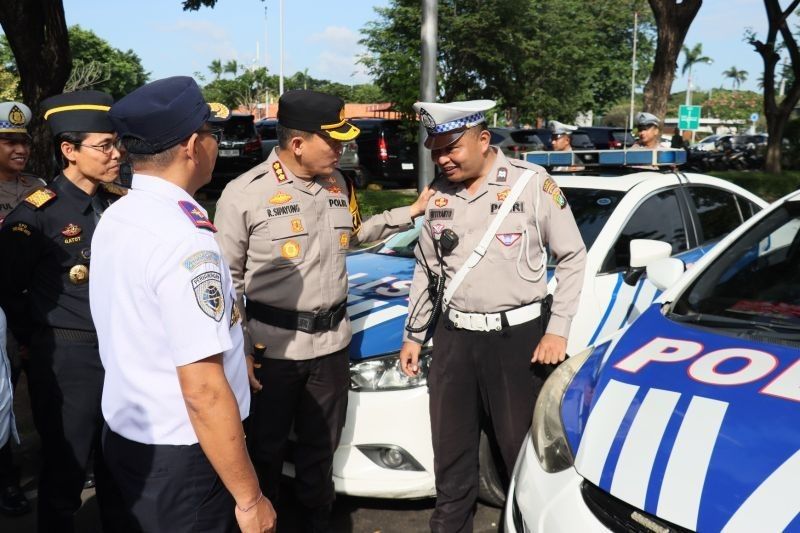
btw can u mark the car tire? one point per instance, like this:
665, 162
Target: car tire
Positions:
491, 489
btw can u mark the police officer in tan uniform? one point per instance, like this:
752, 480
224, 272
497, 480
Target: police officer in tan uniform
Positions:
561, 135
492, 349
285, 228
649, 128
15, 149
15, 185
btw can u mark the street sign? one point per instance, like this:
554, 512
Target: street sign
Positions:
689, 117
754, 117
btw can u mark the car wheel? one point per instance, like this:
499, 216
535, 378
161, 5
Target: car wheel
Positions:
491, 489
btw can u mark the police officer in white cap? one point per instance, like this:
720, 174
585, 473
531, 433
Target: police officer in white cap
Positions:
649, 128
482, 248
561, 135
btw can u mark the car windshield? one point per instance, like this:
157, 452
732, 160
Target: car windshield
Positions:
623, 136
238, 130
591, 208
754, 288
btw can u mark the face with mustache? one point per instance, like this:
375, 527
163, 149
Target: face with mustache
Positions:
15, 149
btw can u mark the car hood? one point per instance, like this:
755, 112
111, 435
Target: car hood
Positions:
703, 441
377, 302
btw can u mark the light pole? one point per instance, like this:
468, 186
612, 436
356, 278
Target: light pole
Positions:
427, 84
280, 82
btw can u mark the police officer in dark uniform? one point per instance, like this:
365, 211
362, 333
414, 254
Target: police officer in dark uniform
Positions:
45, 294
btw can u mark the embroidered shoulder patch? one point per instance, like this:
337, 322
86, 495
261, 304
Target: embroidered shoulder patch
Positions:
208, 292
200, 258
40, 197
280, 175
21, 227
196, 215
550, 187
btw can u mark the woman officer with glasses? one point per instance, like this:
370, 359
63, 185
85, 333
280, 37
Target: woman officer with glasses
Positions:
45, 294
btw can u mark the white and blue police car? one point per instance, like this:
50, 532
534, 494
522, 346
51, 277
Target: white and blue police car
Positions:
385, 449
688, 419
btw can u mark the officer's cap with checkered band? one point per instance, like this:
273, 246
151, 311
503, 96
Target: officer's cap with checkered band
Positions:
559, 128
446, 123
14, 118
645, 120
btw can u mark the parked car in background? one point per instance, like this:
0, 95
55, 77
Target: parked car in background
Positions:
239, 151
349, 164
515, 142
709, 144
581, 141
267, 131
386, 151
607, 137
750, 142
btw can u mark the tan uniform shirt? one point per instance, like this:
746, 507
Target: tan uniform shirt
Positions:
285, 240
13, 192
497, 283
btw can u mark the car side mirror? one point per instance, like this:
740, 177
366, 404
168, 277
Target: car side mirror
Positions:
664, 273
644, 252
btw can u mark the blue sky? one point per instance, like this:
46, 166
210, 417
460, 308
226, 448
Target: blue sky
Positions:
323, 35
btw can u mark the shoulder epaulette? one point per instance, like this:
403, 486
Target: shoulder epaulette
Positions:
113, 188
39, 197
197, 216
280, 175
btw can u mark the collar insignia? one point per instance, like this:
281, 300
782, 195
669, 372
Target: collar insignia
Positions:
40, 197
196, 215
279, 174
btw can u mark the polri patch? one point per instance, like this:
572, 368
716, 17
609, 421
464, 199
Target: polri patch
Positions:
208, 292
440, 214
518, 207
337, 202
197, 216
200, 258
508, 238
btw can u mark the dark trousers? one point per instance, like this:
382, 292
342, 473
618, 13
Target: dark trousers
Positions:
9, 473
477, 379
312, 395
65, 381
168, 488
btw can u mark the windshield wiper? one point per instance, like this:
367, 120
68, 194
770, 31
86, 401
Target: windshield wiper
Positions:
705, 319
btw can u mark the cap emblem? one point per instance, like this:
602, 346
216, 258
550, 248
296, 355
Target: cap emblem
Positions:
427, 119
219, 111
16, 117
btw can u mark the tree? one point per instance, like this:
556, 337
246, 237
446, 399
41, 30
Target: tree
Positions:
691, 57
537, 58
673, 18
778, 112
732, 105
37, 35
737, 77
231, 67
216, 68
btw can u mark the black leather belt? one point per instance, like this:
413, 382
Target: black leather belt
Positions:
74, 334
296, 320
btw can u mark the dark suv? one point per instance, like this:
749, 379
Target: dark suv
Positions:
239, 150
607, 137
384, 151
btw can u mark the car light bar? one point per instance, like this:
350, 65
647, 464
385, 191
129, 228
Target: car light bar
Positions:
663, 157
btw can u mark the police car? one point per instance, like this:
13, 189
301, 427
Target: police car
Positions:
385, 449
687, 419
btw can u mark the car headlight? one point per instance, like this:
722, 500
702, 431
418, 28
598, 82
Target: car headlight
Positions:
384, 374
547, 430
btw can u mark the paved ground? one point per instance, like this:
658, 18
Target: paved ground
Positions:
361, 515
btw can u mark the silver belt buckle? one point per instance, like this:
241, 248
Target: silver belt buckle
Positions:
477, 322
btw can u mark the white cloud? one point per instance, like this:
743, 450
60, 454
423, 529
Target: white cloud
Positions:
337, 38
342, 67
207, 40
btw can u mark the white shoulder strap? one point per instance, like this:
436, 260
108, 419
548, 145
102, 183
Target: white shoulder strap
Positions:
480, 250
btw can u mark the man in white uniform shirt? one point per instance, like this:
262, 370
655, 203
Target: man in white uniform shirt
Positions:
170, 335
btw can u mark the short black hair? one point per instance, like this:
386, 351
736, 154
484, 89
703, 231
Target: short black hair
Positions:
134, 147
72, 137
285, 135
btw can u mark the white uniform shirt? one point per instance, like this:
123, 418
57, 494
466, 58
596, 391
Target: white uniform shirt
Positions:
8, 428
161, 297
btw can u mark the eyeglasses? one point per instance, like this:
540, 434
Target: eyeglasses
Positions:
216, 133
106, 148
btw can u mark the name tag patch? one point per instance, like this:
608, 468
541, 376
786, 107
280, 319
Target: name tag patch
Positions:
208, 292
519, 207
283, 210
337, 202
440, 214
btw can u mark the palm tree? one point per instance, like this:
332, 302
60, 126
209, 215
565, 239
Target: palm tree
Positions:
692, 57
216, 68
231, 67
737, 76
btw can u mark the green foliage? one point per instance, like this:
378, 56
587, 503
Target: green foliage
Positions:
693, 56
373, 202
538, 58
768, 186
728, 105
117, 72
9, 78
